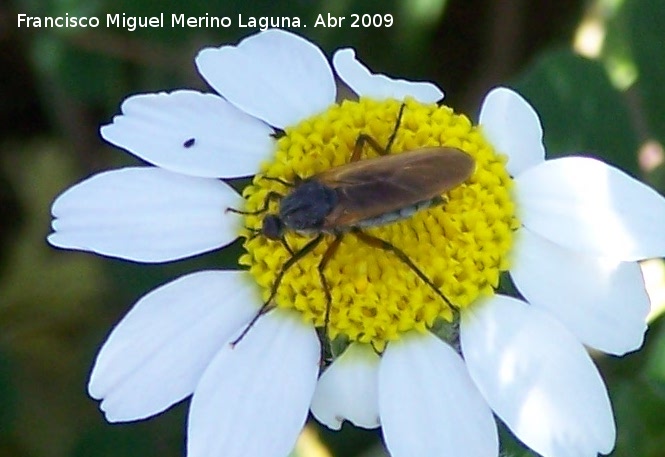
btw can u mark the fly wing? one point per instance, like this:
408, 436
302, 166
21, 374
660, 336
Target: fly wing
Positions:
372, 187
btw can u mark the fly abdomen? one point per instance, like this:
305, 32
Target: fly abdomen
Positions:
399, 214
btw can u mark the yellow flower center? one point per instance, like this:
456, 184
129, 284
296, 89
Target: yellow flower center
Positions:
460, 245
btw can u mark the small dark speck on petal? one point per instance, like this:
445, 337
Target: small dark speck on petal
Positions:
189, 143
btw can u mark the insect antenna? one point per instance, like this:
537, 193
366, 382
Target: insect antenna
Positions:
386, 246
266, 204
273, 290
279, 180
254, 232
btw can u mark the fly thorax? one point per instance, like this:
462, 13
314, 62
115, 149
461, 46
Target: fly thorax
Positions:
307, 206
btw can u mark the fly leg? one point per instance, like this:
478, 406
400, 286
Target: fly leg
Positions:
364, 138
273, 290
386, 246
330, 252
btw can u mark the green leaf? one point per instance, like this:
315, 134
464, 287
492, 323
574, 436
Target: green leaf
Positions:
124, 440
645, 19
8, 395
655, 366
581, 112
640, 415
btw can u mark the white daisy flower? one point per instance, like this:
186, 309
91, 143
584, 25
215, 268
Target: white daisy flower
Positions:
570, 231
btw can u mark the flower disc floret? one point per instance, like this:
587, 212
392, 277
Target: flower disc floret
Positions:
461, 245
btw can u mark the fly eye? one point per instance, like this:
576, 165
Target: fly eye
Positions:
272, 227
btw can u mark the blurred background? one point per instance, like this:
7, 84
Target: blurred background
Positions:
595, 71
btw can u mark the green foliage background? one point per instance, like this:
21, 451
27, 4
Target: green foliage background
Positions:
58, 85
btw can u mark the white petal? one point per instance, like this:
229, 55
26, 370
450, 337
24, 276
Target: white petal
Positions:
429, 405
253, 398
191, 133
145, 214
348, 389
537, 378
156, 355
364, 83
512, 126
602, 301
274, 75
588, 206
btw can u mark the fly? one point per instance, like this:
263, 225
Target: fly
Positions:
362, 193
